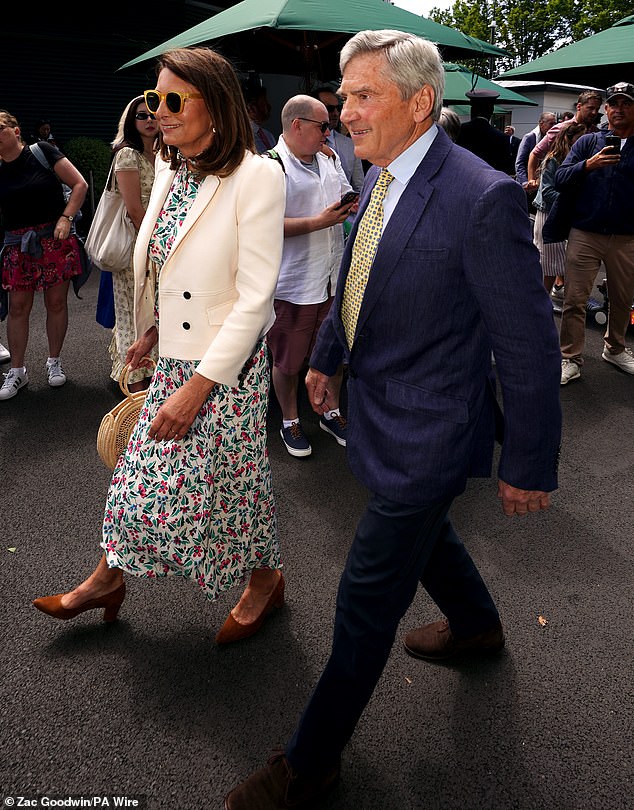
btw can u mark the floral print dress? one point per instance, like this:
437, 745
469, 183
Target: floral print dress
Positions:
123, 334
200, 507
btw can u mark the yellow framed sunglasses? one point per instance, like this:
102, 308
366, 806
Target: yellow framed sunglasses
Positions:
174, 101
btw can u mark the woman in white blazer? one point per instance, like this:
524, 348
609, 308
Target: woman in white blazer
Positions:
192, 494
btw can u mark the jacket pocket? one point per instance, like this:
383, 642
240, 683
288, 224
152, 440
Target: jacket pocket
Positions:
217, 314
415, 398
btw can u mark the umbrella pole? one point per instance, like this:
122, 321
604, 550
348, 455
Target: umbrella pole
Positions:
307, 63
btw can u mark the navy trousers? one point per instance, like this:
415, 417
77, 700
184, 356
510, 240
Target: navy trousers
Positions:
395, 547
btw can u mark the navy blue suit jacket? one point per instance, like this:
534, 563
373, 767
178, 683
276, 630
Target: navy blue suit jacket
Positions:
455, 275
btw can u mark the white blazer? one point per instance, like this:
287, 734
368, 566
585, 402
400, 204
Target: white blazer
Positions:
217, 284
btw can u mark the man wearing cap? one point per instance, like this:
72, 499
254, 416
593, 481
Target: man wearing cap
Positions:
484, 140
599, 183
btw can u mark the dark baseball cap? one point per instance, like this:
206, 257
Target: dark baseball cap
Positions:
621, 89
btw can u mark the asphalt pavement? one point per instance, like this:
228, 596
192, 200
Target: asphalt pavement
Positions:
149, 708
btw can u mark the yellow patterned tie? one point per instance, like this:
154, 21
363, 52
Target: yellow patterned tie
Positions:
363, 250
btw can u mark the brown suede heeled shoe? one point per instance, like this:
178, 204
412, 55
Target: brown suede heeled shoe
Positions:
232, 630
111, 602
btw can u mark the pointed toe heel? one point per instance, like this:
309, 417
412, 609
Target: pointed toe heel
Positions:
110, 602
232, 630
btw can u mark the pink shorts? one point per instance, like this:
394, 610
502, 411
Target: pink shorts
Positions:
292, 336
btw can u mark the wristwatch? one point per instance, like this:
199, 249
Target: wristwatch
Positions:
69, 217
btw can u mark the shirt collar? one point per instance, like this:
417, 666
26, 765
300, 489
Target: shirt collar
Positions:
404, 166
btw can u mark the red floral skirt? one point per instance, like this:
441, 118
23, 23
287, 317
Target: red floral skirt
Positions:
60, 261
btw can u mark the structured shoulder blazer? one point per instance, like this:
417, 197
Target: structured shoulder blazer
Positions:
216, 287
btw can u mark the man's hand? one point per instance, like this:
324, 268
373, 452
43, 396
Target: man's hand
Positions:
606, 157
336, 214
521, 501
318, 394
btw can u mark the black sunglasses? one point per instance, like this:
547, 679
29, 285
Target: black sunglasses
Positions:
333, 107
323, 125
143, 116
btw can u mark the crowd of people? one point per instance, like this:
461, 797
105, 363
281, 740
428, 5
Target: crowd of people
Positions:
409, 307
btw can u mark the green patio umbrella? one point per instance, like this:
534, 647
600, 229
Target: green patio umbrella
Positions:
459, 80
304, 37
598, 61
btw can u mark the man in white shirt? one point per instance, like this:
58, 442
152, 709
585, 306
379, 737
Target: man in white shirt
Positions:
313, 246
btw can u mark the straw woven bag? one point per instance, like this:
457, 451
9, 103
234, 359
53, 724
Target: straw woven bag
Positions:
116, 426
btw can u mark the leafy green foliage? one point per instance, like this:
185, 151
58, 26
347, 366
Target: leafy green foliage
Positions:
90, 155
530, 28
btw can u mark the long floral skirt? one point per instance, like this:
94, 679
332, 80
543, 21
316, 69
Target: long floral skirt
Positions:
201, 507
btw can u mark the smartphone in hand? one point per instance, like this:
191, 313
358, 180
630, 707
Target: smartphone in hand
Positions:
614, 142
348, 197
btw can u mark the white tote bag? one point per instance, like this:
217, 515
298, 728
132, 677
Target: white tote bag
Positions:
111, 235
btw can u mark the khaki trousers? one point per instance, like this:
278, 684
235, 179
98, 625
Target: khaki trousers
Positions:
584, 255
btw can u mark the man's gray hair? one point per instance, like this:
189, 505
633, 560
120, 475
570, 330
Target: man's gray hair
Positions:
411, 61
301, 106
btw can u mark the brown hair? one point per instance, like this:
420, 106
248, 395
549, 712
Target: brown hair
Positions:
127, 132
564, 140
214, 77
589, 94
8, 120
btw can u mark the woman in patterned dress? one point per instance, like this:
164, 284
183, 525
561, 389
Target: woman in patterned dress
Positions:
134, 153
192, 494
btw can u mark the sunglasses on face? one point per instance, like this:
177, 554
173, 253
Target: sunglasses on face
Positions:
324, 126
143, 116
333, 107
173, 101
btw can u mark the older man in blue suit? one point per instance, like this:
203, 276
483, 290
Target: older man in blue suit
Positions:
423, 299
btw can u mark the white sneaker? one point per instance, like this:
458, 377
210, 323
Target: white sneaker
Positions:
55, 372
13, 381
569, 371
624, 360
5, 354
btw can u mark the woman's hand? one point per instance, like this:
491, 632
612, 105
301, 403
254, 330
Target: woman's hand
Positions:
62, 228
176, 414
141, 348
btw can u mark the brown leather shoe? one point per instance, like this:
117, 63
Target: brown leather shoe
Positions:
436, 642
279, 787
110, 602
232, 630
